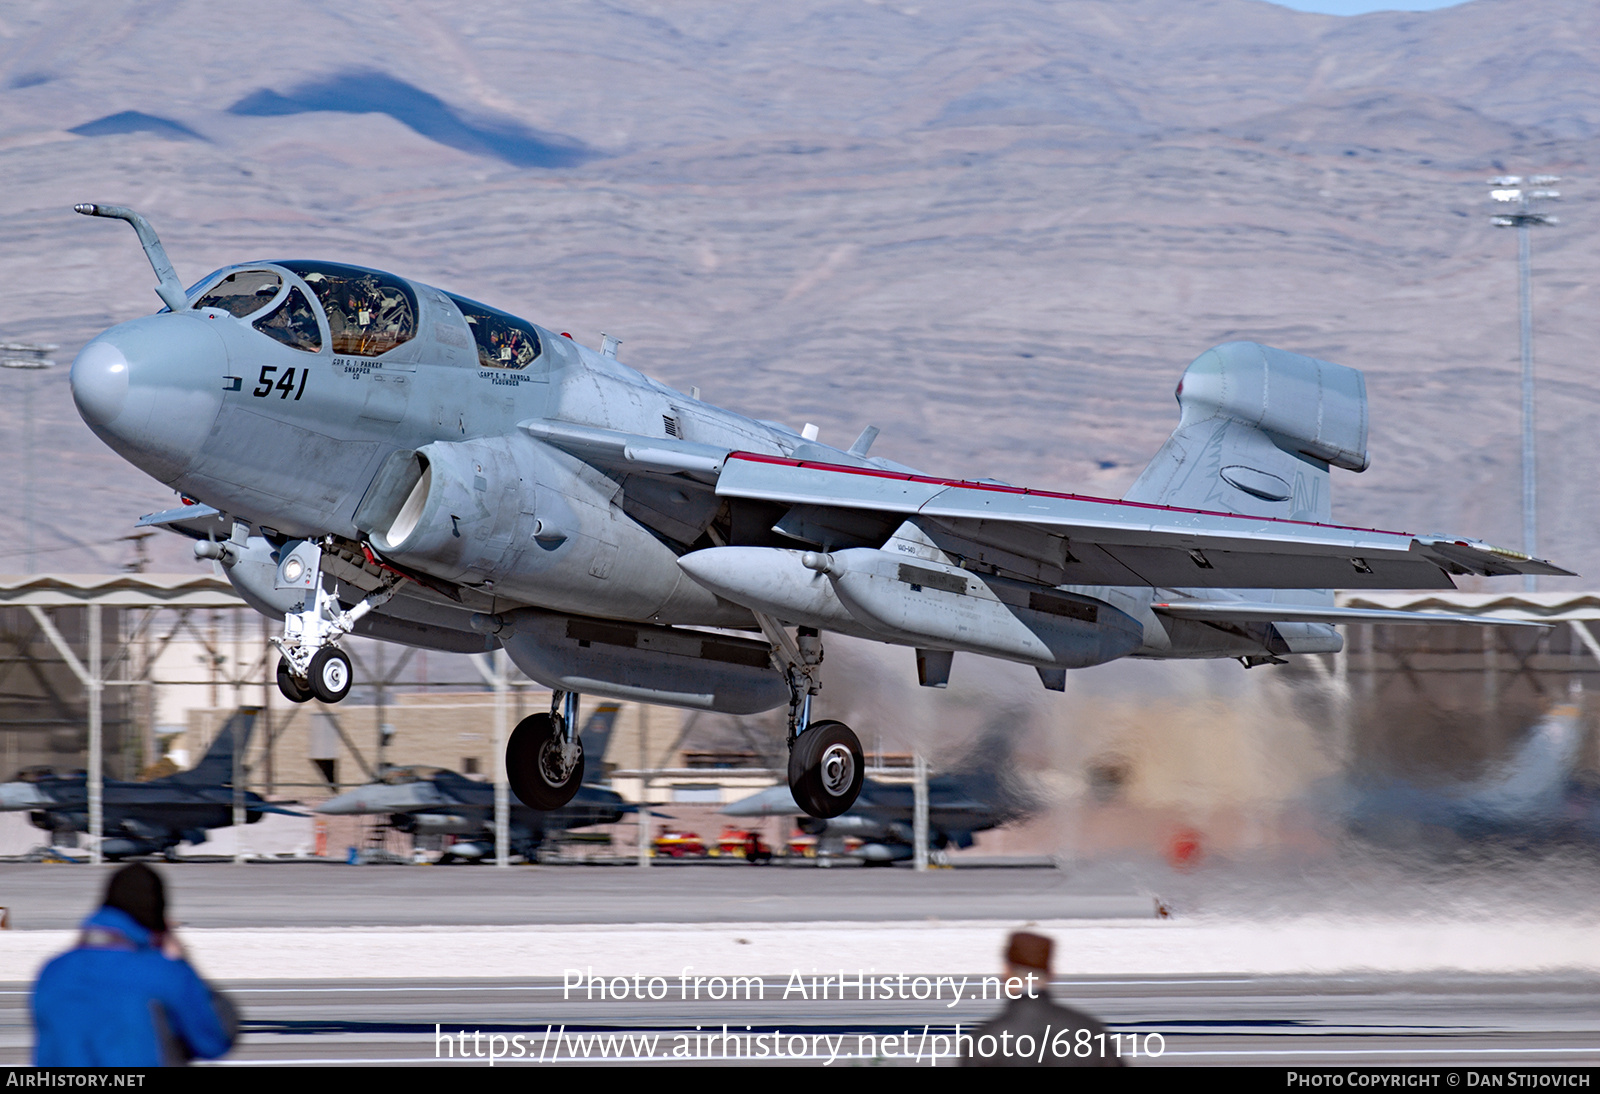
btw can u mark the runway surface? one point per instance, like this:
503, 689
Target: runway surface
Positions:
310, 895
1438, 1021
392, 964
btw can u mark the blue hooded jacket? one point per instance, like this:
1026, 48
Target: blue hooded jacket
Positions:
118, 1001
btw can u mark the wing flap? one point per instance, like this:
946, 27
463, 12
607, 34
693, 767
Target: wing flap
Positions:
1240, 611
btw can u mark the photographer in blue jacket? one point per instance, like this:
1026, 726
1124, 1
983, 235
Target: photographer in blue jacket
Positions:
126, 996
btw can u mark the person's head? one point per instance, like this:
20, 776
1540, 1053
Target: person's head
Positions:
137, 890
1028, 953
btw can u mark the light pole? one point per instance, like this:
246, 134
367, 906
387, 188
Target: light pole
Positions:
33, 358
1521, 194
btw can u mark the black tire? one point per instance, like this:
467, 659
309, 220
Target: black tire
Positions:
533, 764
330, 675
826, 767
292, 689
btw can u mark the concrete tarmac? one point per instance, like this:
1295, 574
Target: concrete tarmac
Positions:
317, 895
360, 999
1446, 1021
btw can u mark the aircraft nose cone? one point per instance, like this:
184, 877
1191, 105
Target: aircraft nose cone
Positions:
100, 383
152, 388
351, 801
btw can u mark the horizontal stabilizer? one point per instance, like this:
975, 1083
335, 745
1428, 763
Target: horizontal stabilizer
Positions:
1241, 611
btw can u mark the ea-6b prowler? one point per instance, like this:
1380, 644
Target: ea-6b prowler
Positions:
400, 462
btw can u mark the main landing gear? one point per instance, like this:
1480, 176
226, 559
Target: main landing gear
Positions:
826, 765
544, 758
311, 665
826, 768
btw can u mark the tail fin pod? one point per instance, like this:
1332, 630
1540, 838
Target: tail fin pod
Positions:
1258, 430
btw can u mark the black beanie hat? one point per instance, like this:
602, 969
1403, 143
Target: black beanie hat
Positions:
137, 890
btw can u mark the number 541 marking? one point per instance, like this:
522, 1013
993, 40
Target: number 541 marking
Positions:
265, 386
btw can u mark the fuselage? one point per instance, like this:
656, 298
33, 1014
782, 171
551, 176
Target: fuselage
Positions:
140, 817
287, 431
293, 395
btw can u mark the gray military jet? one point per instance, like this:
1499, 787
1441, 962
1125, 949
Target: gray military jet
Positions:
153, 817
982, 790
882, 818
1535, 797
439, 802
398, 461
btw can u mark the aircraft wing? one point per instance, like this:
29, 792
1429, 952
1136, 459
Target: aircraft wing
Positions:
1067, 539
268, 807
384, 798
19, 795
775, 801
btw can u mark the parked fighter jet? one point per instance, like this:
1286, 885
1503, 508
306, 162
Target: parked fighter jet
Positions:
148, 818
1533, 797
405, 463
882, 817
435, 801
980, 791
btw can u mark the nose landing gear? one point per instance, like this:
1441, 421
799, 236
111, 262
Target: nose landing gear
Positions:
312, 666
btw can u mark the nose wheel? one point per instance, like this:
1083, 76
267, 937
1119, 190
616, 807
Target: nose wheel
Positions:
826, 767
328, 679
312, 666
544, 762
330, 676
294, 689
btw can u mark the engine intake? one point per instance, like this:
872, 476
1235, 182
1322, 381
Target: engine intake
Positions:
453, 508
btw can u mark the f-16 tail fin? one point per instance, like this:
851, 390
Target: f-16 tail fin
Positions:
216, 766
1259, 429
1535, 776
597, 732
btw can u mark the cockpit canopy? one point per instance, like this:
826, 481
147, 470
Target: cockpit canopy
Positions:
244, 292
369, 313
504, 341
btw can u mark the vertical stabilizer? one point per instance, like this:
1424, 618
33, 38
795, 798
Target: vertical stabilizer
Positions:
1533, 780
216, 766
596, 735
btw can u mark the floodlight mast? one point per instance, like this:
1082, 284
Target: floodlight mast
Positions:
1522, 193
